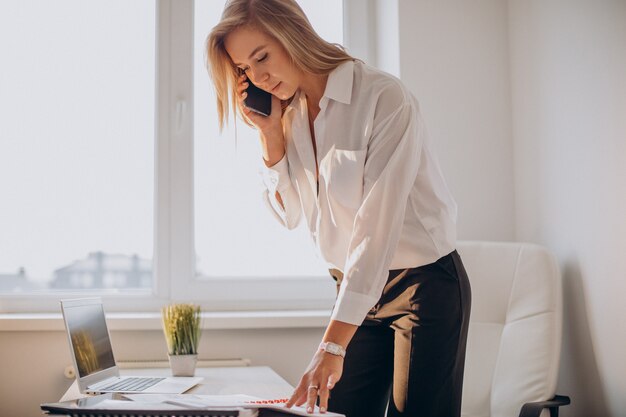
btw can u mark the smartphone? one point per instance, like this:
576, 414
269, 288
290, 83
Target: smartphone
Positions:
259, 101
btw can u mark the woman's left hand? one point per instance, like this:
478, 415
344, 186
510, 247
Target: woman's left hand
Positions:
320, 377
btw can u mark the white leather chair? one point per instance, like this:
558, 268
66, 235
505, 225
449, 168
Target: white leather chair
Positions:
514, 339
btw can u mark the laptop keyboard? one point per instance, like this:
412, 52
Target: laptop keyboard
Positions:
131, 384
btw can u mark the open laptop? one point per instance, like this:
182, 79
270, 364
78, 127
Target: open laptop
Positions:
90, 346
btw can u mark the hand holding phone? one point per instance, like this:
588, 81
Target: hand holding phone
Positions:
251, 100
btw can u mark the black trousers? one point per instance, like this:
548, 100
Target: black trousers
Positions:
407, 357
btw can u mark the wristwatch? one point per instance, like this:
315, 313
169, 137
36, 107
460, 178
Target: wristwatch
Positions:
333, 349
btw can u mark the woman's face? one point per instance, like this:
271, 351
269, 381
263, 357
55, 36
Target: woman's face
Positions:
264, 61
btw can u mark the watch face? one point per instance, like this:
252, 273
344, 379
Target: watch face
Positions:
333, 349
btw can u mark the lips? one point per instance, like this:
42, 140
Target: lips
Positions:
276, 86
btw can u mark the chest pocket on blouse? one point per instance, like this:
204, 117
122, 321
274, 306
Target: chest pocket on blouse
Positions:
343, 171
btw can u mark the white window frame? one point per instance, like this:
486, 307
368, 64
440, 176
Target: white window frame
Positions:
216, 293
174, 274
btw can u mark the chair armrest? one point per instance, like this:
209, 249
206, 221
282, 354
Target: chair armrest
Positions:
534, 409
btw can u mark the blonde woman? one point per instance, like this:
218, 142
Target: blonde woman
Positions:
345, 149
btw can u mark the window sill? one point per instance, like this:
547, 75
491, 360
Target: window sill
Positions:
21, 322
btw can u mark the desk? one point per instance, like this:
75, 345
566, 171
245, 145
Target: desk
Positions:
258, 381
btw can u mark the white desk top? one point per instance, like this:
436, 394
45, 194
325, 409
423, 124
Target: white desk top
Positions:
258, 381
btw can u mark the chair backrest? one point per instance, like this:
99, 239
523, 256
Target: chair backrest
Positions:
514, 339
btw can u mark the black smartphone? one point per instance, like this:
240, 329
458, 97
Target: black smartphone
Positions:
259, 101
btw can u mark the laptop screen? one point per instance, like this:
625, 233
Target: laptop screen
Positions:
90, 338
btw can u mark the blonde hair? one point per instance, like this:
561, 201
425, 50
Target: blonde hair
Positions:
283, 20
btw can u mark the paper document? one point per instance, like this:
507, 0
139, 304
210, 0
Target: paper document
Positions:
199, 401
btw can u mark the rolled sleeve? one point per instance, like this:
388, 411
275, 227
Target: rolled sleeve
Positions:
277, 180
276, 177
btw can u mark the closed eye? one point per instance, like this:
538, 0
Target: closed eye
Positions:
244, 70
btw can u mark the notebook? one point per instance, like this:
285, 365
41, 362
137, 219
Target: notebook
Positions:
92, 355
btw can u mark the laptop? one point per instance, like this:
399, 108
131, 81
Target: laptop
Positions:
96, 370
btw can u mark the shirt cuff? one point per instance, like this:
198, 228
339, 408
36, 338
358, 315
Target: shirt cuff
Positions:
352, 307
276, 177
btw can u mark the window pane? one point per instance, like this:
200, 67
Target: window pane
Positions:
236, 235
76, 144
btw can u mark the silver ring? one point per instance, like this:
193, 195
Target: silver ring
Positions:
315, 387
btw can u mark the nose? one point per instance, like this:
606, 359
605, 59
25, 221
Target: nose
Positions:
258, 77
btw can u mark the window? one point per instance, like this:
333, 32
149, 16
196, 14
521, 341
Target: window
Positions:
76, 145
243, 258
111, 154
235, 234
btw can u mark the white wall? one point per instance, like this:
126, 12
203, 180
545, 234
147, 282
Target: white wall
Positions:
454, 57
528, 101
569, 105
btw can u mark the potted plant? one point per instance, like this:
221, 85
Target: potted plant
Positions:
181, 325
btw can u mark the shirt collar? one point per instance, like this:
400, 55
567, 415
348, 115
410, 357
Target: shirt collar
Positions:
338, 86
339, 83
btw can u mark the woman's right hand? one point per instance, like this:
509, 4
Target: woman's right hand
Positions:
270, 127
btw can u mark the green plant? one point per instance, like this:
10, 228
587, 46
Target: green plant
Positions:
181, 325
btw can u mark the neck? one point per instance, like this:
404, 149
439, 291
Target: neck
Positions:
313, 87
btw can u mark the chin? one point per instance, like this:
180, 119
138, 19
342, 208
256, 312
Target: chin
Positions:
281, 95
285, 94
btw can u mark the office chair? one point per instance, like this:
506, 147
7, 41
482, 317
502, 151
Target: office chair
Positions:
514, 339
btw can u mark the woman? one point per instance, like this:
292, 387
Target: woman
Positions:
346, 147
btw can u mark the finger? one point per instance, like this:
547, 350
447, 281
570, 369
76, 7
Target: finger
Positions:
253, 117
242, 89
242, 86
242, 98
304, 397
331, 382
311, 397
296, 396
323, 393
246, 113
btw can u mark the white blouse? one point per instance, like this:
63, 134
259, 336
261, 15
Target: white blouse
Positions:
382, 202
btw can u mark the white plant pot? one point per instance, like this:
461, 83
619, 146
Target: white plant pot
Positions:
183, 365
